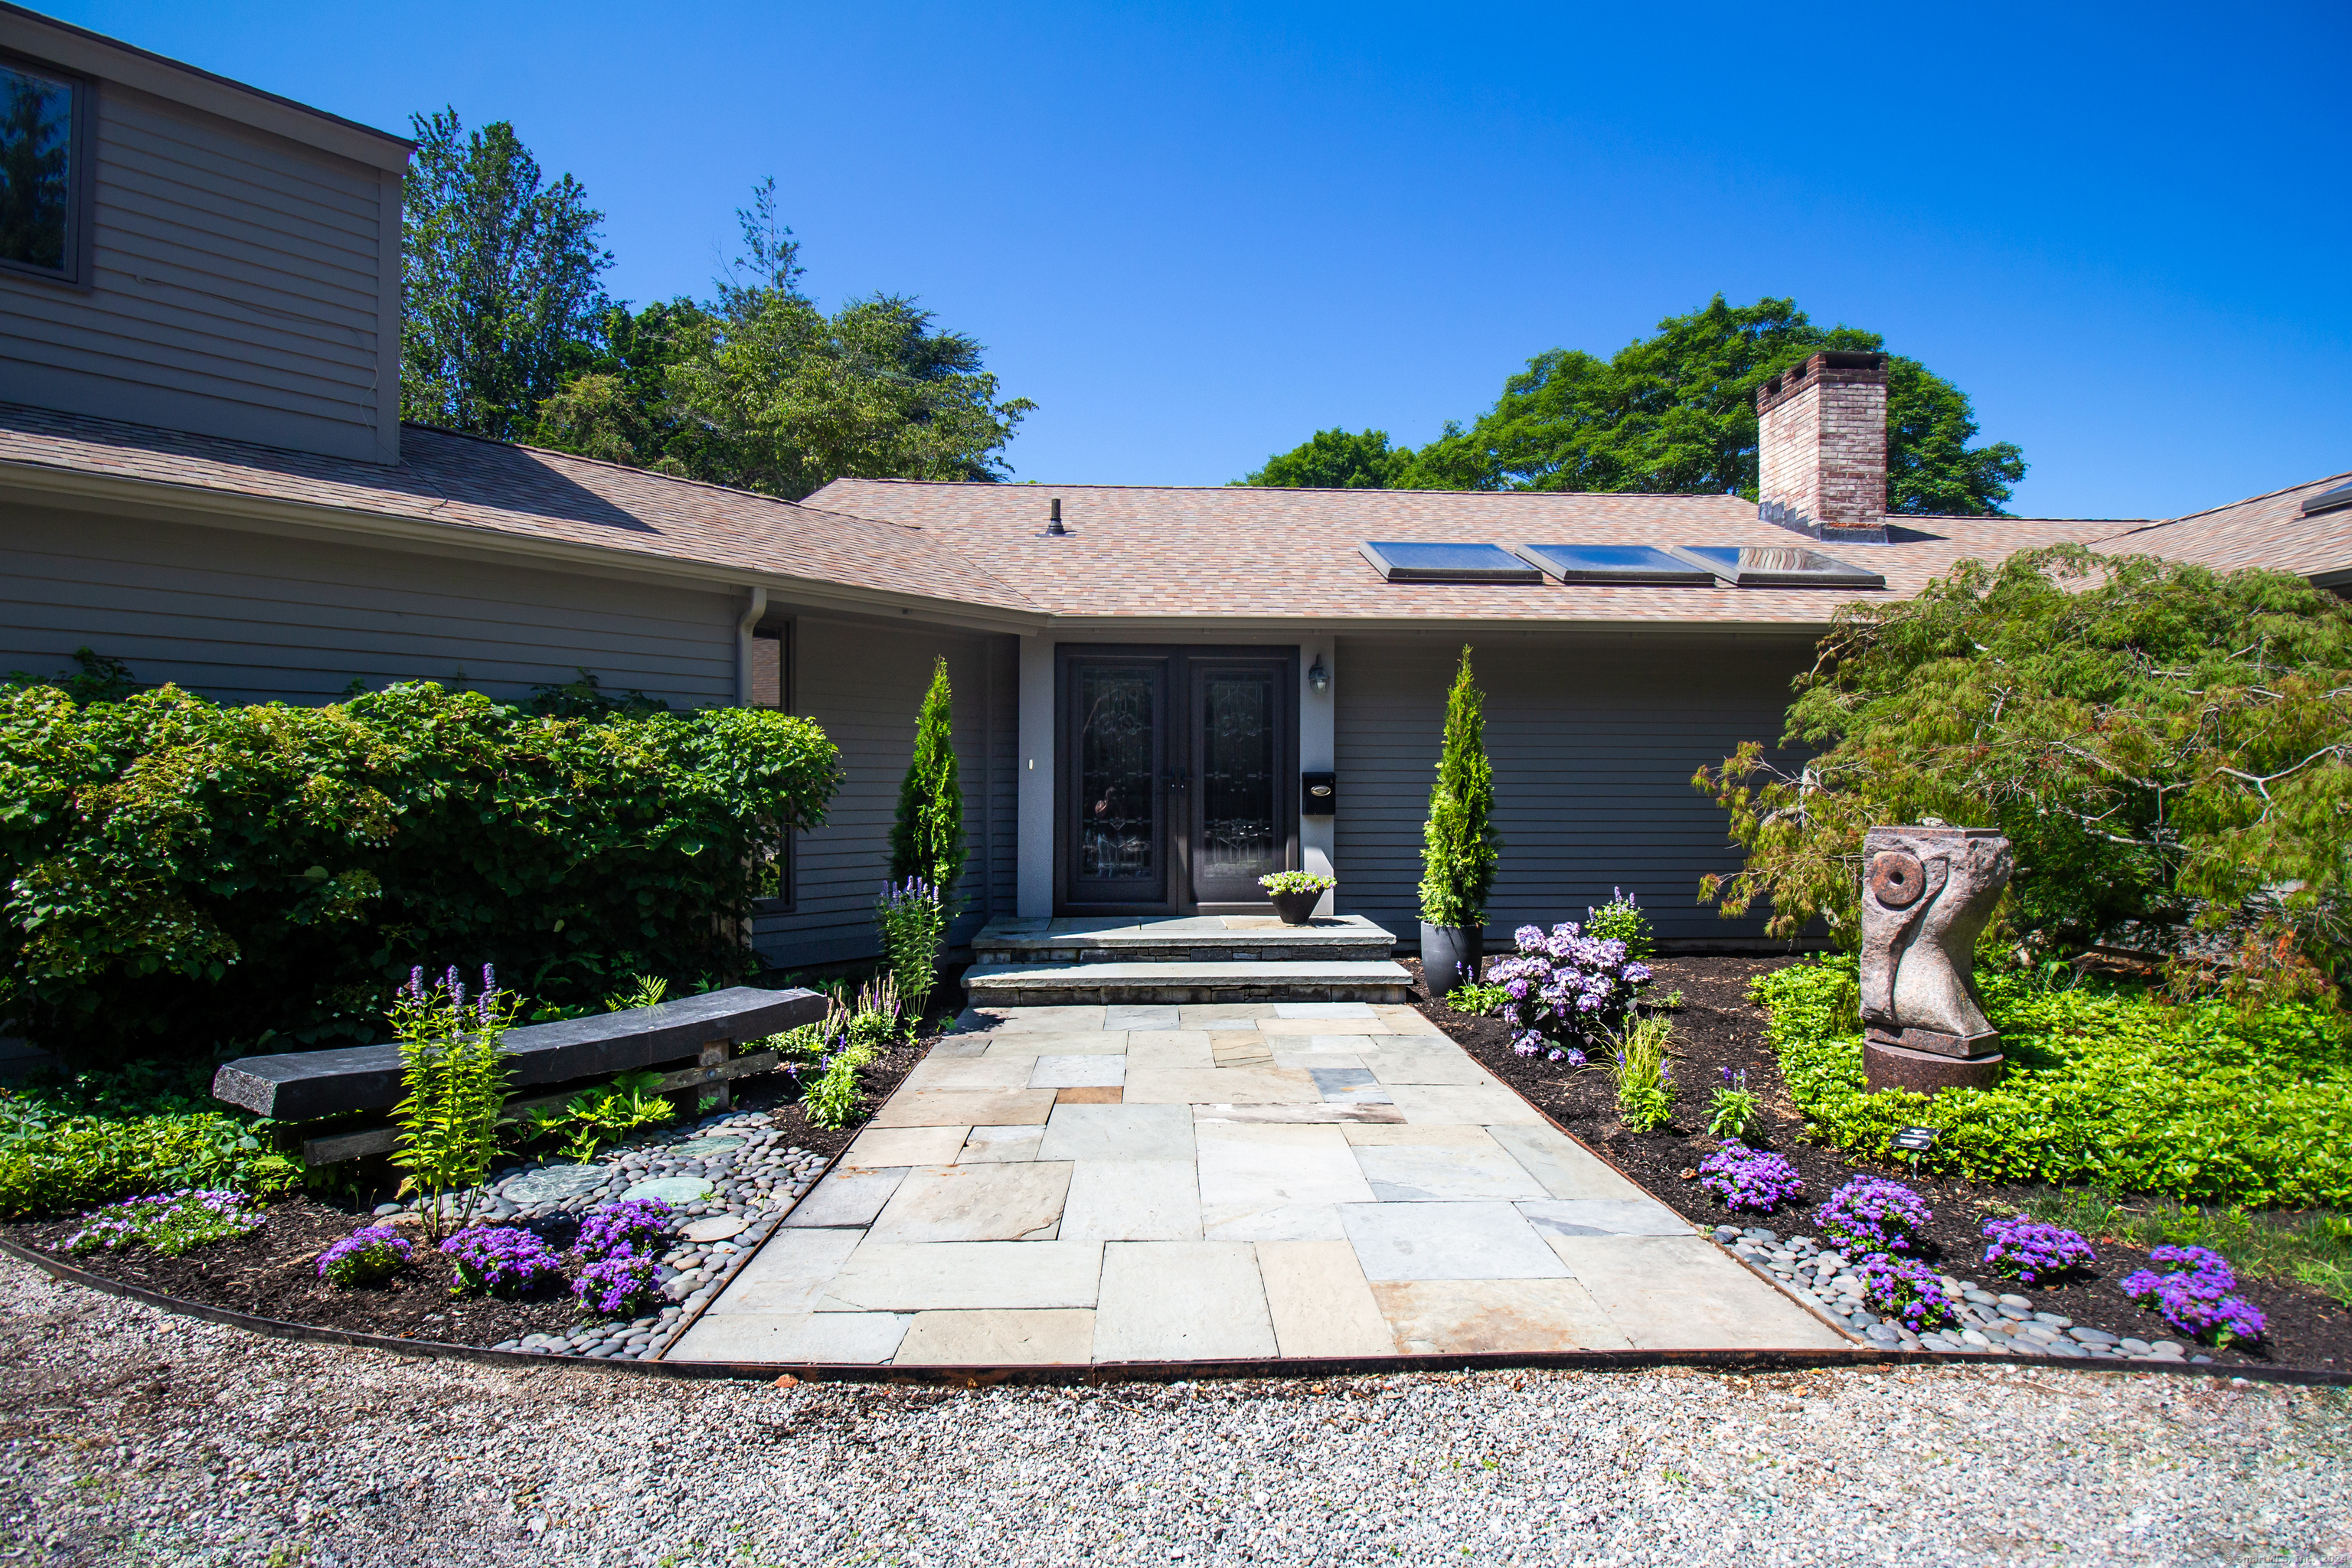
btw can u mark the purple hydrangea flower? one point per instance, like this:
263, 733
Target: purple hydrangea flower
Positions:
1905, 1290
2194, 1295
2028, 1251
499, 1260
1752, 1179
618, 1283
1871, 1214
1564, 989
371, 1253
635, 1225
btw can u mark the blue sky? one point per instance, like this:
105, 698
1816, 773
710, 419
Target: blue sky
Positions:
1196, 233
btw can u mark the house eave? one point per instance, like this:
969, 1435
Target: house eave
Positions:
209, 507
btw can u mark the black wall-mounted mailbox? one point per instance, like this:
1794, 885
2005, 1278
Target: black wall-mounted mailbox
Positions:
1318, 794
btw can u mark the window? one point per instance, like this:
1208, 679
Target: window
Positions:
1419, 561
1774, 566
1616, 563
44, 136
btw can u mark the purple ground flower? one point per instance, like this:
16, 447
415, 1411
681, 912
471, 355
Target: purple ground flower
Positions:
635, 1225
618, 1283
1872, 1215
1905, 1291
371, 1253
499, 1260
168, 1223
2194, 1295
2029, 1251
1751, 1179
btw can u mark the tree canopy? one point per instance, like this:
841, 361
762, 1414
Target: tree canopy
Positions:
1676, 413
501, 280
759, 389
1337, 460
2158, 741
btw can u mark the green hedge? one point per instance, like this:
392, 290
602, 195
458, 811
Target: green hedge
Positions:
182, 875
2104, 1086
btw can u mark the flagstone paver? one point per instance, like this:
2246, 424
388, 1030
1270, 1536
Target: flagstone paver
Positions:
1059, 1185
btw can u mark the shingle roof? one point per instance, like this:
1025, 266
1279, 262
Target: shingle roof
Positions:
1133, 553
471, 485
1160, 552
2261, 530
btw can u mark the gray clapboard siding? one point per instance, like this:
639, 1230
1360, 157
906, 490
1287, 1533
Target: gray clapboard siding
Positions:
863, 682
1594, 752
239, 289
250, 617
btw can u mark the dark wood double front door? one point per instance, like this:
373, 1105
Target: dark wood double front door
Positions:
1178, 786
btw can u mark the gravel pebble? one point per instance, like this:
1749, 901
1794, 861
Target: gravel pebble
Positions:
136, 1438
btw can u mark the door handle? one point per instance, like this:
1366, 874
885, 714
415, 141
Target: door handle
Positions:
1177, 778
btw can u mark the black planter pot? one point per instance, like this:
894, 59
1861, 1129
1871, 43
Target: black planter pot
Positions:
1450, 954
1296, 909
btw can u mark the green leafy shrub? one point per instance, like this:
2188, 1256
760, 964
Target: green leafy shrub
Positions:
596, 1117
187, 871
1460, 847
72, 1142
913, 922
1622, 918
2108, 1087
1476, 997
2153, 737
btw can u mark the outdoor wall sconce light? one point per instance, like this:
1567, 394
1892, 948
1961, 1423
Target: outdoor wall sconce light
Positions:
1319, 677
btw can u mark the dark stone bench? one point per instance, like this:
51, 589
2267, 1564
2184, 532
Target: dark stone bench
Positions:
302, 1085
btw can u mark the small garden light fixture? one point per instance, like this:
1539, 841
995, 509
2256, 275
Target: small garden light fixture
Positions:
1317, 677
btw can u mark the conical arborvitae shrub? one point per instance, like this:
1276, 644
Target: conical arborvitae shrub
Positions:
1460, 847
926, 840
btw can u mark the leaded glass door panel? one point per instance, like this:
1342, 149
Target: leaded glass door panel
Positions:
1117, 732
1238, 831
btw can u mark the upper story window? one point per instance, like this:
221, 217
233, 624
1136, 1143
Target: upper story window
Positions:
45, 137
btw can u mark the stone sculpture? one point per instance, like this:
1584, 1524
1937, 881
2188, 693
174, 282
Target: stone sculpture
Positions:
1927, 892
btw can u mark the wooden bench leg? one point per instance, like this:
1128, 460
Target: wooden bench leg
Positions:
714, 1055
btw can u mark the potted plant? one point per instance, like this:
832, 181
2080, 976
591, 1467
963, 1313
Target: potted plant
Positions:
1460, 847
1296, 894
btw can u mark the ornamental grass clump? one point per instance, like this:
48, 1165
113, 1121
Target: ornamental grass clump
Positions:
1565, 990
1755, 1180
1905, 1290
369, 1254
1871, 1214
168, 1223
499, 1260
1644, 1077
2030, 1252
2194, 1295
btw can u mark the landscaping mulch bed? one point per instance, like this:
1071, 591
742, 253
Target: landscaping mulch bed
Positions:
1718, 1027
273, 1271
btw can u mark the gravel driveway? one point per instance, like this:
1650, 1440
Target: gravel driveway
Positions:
134, 1438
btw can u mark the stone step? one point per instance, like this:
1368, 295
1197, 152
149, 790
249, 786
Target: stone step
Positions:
1255, 980
1196, 939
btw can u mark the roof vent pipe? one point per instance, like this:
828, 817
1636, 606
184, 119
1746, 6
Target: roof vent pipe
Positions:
1054, 529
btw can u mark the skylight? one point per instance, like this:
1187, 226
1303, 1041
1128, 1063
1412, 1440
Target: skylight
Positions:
2327, 500
1420, 561
1774, 566
1615, 564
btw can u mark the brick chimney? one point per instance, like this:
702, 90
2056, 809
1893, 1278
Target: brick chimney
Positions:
1821, 440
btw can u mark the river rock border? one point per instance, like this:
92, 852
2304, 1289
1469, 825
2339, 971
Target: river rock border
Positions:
733, 1177
2003, 1324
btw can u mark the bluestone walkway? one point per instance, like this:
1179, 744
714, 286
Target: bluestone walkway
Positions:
1075, 1184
